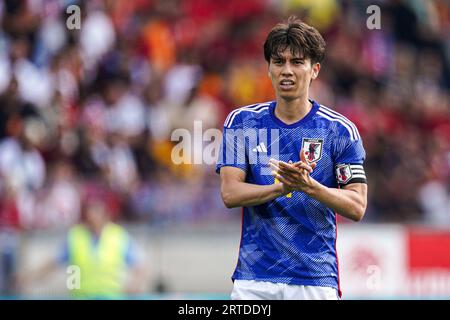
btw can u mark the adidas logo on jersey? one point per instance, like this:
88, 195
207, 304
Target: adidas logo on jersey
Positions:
260, 148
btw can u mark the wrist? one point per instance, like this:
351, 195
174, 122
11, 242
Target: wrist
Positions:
280, 189
313, 188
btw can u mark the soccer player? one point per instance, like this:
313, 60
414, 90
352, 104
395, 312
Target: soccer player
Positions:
291, 164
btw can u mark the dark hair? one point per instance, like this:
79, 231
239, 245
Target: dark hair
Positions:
301, 38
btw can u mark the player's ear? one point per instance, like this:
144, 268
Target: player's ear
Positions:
315, 70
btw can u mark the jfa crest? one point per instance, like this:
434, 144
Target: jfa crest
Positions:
313, 149
343, 173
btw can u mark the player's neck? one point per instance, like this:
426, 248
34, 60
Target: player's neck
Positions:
291, 111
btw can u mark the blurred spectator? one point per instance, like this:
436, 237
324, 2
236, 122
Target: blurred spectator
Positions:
22, 167
97, 36
34, 83
104, 254
60, 203
116, 162
9, 240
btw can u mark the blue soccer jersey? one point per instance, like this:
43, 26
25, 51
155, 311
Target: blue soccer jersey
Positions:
291, 239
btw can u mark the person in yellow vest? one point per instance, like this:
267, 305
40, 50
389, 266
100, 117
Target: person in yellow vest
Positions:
101, 253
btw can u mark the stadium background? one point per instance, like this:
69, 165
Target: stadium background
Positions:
89, 110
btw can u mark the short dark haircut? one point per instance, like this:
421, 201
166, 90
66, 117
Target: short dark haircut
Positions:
301, 38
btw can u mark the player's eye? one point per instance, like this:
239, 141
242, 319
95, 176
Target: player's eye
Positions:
277, 61
298, 61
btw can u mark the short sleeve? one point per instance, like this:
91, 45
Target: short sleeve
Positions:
63, 256
131, 254
349, 161
232, 150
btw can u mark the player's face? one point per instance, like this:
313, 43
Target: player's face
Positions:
291, 75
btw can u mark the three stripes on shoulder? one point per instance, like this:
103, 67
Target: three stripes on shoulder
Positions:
323, 111
259, 107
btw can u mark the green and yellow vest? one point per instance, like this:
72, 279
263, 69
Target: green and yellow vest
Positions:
102, 266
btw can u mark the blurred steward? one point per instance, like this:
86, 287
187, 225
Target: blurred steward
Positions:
104, 253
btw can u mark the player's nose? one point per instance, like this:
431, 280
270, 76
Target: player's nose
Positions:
287, 69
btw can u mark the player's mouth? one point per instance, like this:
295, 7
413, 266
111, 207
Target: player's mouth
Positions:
287, 84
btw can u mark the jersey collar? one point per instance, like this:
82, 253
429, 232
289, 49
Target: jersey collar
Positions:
315, 107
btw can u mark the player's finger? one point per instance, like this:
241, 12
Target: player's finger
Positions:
277, 172
299, 177
279, 164
288, 167
275, 161
292, 177
289, 170
304, 160
302, 165
303, 156
274, 167
282, 179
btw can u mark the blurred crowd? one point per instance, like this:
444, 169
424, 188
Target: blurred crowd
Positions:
91, 110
